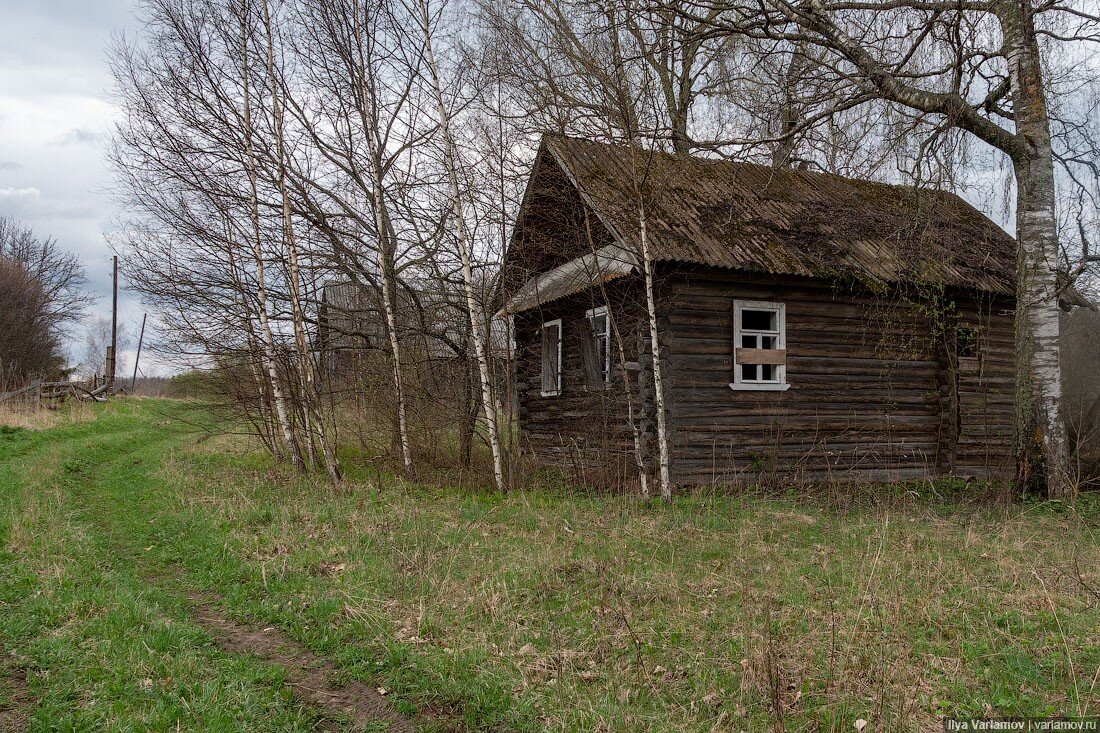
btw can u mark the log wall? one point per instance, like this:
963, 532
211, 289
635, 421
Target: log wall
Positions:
875, 393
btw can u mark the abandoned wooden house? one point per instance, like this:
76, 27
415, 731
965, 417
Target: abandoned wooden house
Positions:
810, 326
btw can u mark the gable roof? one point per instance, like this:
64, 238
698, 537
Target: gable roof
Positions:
785, 222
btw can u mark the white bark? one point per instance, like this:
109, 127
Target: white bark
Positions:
1040, 431
631, 418
314, 421
255, 355
1040, 428
663, 454
387, 249
267, 338
388, 296
473, 305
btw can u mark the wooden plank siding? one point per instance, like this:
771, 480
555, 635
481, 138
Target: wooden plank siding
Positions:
877, 390
986, 386
868, 386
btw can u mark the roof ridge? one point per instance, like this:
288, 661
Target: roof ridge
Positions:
760, 166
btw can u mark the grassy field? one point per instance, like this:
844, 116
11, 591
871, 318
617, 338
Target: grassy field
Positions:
530, 612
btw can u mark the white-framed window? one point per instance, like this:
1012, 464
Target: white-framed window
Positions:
551, 358
759, 345
598, 350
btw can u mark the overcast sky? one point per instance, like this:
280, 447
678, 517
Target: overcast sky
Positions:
56, 112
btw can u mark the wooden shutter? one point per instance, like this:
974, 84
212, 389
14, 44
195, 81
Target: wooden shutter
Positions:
551, 343
593, 369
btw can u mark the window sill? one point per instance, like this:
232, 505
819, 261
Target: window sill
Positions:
759, 387
550, 394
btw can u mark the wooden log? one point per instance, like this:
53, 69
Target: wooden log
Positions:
22, 390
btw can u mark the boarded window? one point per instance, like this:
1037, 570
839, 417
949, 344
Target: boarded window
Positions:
596, 348
759, 345
551, 358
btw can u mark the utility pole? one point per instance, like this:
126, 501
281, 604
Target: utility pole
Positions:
112, 354
137, 358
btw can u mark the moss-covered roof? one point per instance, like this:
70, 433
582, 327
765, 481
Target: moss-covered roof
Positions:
791, 222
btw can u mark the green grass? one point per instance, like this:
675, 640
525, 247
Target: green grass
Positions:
530, 612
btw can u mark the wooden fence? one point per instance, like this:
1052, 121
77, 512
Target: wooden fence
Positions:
42, 393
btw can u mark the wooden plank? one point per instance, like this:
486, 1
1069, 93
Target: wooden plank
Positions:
761, 356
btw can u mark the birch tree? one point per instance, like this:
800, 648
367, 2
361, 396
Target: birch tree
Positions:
255, 241
365, 74
315, 423
193, 166
445, 121
626, 73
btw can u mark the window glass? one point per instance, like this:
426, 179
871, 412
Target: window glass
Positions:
601, 344
758, 320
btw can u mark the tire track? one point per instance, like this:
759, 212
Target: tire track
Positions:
308, 675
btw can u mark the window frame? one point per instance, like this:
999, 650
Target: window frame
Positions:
589, 315
542, 355
780, 384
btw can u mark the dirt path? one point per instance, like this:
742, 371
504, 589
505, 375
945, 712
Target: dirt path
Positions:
15, 709
308, 675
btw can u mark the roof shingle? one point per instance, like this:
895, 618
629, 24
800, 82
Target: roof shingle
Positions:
790, 222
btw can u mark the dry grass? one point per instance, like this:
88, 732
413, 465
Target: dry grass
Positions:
719, 613
556, 611
34, 417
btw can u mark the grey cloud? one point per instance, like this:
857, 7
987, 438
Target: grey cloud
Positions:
10, 165
78, 136
10, 192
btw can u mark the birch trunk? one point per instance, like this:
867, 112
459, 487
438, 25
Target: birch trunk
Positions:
663, 456
307, 374
267, 338
631, 418
789, 116
387, 245
389, 297
1042, 460
1041, 446
386, 256
477, 316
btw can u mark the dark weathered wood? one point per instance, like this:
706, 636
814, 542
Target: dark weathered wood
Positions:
582, 430
872, 394
869, 392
